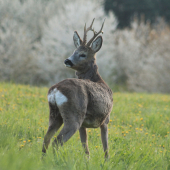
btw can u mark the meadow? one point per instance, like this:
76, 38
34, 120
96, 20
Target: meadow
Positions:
139, 133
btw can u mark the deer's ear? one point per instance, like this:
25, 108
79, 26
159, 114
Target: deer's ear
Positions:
77, 40
97, 44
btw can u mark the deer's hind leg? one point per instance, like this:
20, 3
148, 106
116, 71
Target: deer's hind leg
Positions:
68, 130
73, 113
84, 141
72, 119
55, 122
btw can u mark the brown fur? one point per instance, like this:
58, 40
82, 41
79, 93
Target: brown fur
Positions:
89, 101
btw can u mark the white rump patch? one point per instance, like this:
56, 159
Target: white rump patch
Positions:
55, 96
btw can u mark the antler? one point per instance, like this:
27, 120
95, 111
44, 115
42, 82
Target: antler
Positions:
96, 34
86, 30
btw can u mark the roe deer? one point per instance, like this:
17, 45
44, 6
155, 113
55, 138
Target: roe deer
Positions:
80, 103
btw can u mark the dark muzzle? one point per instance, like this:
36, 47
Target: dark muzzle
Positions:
67, 62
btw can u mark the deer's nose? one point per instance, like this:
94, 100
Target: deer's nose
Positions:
68, 63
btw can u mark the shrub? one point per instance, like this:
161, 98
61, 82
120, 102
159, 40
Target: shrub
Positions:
36, 37
143, 57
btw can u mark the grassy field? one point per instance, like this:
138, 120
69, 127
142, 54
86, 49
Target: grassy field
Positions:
139, 133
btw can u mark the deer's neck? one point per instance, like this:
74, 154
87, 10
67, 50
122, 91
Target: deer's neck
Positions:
91, 73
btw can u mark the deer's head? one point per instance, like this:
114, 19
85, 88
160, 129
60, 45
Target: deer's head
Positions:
84, 54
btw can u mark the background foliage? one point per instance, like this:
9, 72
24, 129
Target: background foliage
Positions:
36, 38
126, 10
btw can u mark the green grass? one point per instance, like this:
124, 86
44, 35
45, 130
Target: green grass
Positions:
139, 135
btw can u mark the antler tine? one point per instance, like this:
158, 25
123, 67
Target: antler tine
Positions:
86, 30
96, 34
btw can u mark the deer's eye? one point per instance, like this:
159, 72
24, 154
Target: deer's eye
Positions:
82, 55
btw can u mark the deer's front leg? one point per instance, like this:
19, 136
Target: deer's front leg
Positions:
84, 141
104, 137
